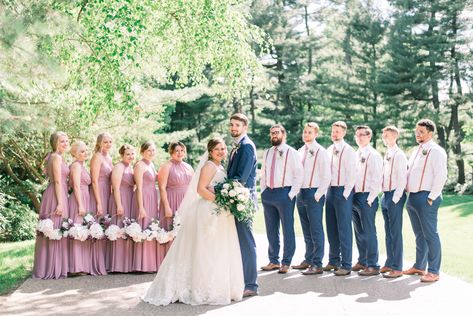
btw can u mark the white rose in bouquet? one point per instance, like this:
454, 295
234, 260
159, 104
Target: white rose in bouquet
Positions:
45, 226
134, 231
96, 231
241, 197
162, 237
226, 186
232, 193
154, 226
224, 192
113, 232
240, 207
79, 232
55, 234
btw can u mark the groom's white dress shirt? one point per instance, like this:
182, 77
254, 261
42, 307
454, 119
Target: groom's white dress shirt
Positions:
395, 172
343, 155
369, 172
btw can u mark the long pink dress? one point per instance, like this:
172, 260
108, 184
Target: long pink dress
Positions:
147, 254
99, 247
180, 175
121, 251
51, 256
79, 251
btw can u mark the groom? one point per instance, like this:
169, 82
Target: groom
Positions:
242, 167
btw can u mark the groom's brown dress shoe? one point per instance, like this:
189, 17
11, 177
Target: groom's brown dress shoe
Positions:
385, 269
413, 271
270, 266
304, 265
368, 272
283, 269
393, 274
249, 293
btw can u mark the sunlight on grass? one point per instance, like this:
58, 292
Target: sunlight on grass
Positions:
16, 262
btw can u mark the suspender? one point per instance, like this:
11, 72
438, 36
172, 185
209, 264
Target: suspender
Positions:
423, 169
340, 165
313, 169
285, 164
366, 170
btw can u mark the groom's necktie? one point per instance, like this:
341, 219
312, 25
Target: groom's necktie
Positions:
273, 167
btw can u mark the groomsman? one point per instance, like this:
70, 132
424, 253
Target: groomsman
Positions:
311, 198
338, 209
281, 180
426, 177
369, 168
394, 198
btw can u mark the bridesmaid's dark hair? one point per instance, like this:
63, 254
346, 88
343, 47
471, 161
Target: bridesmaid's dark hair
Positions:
54, 138
124, 148
145, 146
213, 143
100, 138
173, 145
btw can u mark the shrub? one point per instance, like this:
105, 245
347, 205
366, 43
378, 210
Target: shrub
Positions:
17, 221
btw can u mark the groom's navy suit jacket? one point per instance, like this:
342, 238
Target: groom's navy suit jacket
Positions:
242, 166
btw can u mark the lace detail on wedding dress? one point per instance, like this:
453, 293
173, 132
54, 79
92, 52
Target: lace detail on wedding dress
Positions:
203, 265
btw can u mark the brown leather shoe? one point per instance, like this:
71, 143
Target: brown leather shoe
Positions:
358, 267
270, 266
249, 293
368, 272
413, 271
330, 267
430, 277
304, 265
393, 274
283, 269
385, 269
342, 272
312, 270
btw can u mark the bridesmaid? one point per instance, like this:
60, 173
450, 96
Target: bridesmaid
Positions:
120, 204
51, 256
79, 201
173, 179
145, 207
100, 171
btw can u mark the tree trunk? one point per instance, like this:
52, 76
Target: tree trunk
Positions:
252, 110
309, 47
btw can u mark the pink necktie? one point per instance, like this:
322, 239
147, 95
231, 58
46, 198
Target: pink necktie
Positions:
305, 155
271, 171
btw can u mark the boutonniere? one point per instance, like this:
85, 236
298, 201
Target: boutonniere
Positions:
311, 152
388, 158
235, 147
280, 152
424, 152
336, 152
363, 160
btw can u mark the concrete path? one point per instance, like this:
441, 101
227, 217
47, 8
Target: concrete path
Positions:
290, 294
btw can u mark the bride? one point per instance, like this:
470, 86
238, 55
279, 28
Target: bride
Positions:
203, 265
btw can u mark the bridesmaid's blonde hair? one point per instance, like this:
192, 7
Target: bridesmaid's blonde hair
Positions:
54, 139
146, 145
75, 147
100, 138
173, 145
124, 148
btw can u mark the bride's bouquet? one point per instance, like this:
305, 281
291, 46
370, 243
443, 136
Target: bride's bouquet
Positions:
233, 197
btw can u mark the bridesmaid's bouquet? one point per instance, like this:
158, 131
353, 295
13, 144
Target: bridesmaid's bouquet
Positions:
46, 227
232, 196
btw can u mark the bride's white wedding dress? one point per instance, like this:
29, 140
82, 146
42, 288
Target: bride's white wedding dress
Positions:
203, 265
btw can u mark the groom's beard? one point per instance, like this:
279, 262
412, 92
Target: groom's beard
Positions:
235, 134
276, 142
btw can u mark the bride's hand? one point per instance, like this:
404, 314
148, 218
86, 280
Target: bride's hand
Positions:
211, 189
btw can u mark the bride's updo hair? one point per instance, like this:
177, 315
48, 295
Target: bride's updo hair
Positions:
213, 143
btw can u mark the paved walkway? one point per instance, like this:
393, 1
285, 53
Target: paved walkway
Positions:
290, 294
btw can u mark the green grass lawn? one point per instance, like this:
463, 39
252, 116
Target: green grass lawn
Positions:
455, 228
16, 262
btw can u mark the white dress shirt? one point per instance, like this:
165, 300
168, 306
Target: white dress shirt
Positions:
294, 171
395, 172
433, 159
369, 172
346, 175
317, 173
